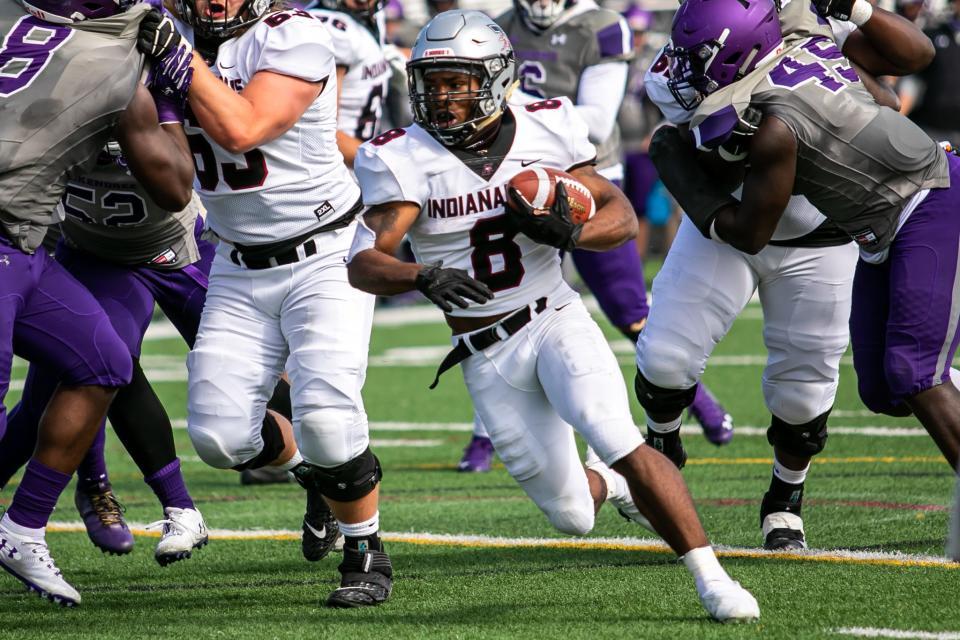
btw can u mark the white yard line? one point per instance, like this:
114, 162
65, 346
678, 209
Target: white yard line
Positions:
841, 556
872, 632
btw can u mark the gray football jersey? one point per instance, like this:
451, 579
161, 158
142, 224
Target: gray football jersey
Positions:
857, 162
109, 215
549, 64
61, 92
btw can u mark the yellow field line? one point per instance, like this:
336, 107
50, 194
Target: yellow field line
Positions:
594, 544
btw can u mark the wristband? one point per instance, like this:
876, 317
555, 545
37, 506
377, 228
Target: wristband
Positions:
861, 12
169, 109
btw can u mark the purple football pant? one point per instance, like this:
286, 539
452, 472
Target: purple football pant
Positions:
127, 294
50, 319
640, 177
615, 278
904, 321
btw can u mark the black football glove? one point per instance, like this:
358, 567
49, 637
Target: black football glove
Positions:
736, 147
158, 36
678, 168
555, 228
444, 286
839, 9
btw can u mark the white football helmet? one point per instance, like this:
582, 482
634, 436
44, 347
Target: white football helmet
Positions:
464, 42
539, 15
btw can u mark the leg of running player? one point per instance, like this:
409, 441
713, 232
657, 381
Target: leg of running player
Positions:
698, 293
565, 368
49, 318
805, 294
327, 324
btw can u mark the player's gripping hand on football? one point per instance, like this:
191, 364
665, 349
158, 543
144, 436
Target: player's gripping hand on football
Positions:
555, 227
448, 287
614, 223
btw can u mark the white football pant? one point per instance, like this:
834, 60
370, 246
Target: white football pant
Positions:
805, 294
304, 318
555, 372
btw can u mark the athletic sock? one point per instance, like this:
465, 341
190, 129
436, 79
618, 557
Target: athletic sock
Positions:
362, 536
168, 485
785, 492
37, 495
92, 471
294, 460
703, 564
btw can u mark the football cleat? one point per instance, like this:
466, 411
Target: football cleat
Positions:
367, 580
669, 445
320, 529
783, 531
264, 475
103, 517
478, 456
726, 601
28, 560
716, 423
183, 531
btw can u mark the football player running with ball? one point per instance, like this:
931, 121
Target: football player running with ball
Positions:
534, 361
263, 122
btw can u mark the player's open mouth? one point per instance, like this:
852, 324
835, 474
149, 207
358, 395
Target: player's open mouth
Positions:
444, 119
217, 11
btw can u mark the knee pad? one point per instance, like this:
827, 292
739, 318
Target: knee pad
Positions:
212, 449
569, 517
807, 439
273, 445
331, 436
658, 400
345, 483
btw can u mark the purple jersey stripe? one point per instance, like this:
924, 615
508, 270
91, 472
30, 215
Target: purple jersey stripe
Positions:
717, 127
614, 40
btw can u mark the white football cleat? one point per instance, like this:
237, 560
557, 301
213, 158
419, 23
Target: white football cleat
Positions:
727, 601
183, 531
28, 560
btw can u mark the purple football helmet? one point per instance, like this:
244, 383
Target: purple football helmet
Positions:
714, 43
69, 11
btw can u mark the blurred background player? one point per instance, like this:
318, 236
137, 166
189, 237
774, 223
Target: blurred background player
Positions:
533, 359
46, 316
803, 277
124, 244
573, 48
284, 205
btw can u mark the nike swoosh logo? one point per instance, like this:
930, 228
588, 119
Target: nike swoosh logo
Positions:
223, 66
527, 163
560, 308
320, 534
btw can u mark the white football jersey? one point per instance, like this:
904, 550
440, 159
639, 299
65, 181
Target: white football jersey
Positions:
356, 47
462, 220
297, 181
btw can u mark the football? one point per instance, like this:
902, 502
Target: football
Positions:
539, 185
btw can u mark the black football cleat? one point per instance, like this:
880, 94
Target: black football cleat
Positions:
669, 445
320, 528
367, 580
783, 531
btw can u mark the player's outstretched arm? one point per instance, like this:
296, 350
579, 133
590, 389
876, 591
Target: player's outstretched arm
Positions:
158, 155
373, 267
264, 110
889, 44
615, 222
